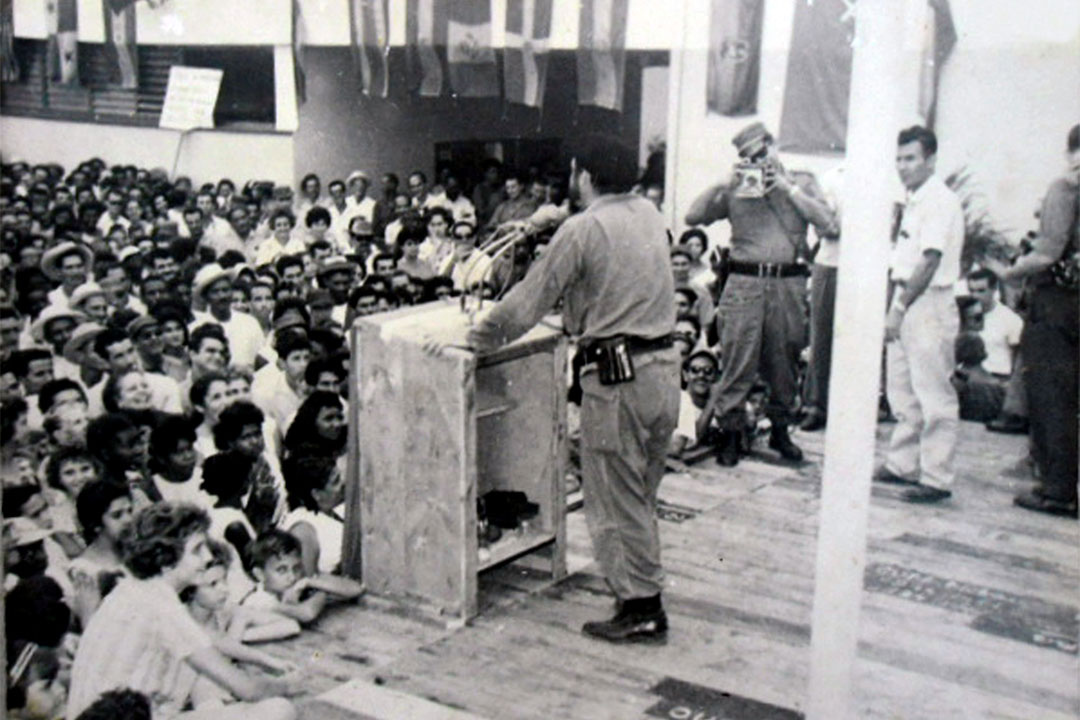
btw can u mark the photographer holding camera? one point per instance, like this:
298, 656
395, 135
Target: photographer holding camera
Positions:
762, 313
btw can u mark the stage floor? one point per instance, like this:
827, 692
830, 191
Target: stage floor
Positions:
969, 611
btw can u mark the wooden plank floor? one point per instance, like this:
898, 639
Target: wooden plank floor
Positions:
969, 611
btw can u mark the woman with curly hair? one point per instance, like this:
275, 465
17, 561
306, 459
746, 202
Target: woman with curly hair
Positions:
143, 638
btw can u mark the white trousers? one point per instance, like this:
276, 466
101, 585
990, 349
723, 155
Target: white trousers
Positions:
919, 365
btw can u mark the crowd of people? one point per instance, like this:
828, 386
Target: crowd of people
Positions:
173, 394
174, 362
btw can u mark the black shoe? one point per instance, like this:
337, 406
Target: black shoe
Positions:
780, 441
885, 476
1050, 506
1008, 424
814, 420
727, 448
924, 494
632, 623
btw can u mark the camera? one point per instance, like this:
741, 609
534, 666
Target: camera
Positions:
752, 178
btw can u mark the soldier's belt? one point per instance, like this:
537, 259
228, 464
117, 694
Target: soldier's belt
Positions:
768, 270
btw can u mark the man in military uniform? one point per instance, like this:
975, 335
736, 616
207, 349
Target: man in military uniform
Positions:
610, 265
762, 311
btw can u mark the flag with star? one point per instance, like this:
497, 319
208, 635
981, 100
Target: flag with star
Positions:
120, 42
62, 59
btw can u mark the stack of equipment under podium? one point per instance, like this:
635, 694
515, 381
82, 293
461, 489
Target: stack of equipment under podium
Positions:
429, 434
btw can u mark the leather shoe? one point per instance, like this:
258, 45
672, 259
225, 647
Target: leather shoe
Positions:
637, 621
924, 494
1050, 506
886, 476
1008, 424
780, 441
814, 420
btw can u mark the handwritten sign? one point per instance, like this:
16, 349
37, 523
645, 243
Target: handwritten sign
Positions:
190, 98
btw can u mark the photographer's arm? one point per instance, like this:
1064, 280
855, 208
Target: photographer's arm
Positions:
810, 205
708, 206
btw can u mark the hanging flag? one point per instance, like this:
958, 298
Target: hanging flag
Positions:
473, 70
601, 56
371, 44
61, 20
734, 56
528, 30
299, 36
814, 116
939, 43
425, 33
9, 66
120, 42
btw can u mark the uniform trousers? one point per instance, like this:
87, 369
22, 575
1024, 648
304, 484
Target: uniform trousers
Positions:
762, 332
920, 365
1049, 345
822, 307
625, 432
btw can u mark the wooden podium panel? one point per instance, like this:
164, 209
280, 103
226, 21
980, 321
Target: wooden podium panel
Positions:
432, 434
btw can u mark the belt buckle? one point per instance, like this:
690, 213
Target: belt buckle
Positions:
768, 270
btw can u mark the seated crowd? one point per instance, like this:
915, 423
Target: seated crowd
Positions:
173, 407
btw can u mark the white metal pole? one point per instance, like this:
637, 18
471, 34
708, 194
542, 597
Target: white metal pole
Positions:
867, 198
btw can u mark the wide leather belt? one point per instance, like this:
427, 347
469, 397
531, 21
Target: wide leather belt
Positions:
634, 344
768, 270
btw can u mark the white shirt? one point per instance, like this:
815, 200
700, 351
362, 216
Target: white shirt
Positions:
269, 250
329, 530
244, 333
271, 392
832, 183
933, 220
105, 223
219, 236
688, 416
435, 252
473, 271
1001, 335
358, 208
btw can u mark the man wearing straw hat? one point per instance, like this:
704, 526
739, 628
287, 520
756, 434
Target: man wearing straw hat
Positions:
67, 263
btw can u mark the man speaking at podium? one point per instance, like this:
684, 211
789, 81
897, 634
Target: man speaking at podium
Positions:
610, 265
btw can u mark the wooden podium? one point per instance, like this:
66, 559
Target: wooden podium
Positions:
429, 435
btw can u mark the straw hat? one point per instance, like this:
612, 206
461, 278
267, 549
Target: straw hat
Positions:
48, 315
207, 276
50, 261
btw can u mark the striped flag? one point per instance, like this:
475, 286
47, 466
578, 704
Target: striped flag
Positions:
473, 70
734, 56
425, 31
814, 116
61, 20
120, 40
528, 29
371, 44
938, 45
601, 56
9, 67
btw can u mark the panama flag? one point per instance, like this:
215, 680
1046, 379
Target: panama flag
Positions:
528, 30
61, 20
601, 57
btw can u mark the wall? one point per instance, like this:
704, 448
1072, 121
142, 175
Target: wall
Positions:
1008, 97
341, 130
205, 156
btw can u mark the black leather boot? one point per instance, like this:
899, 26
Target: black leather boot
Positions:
727, 448
780, 441
639, 620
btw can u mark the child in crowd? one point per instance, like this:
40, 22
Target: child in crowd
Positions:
143, 624
275, 561
229, 623
316, 490
67, 472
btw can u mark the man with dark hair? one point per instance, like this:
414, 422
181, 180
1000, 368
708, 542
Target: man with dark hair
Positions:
609, 265
280, 393
33, 367
762, 311
518, 205
921, 326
